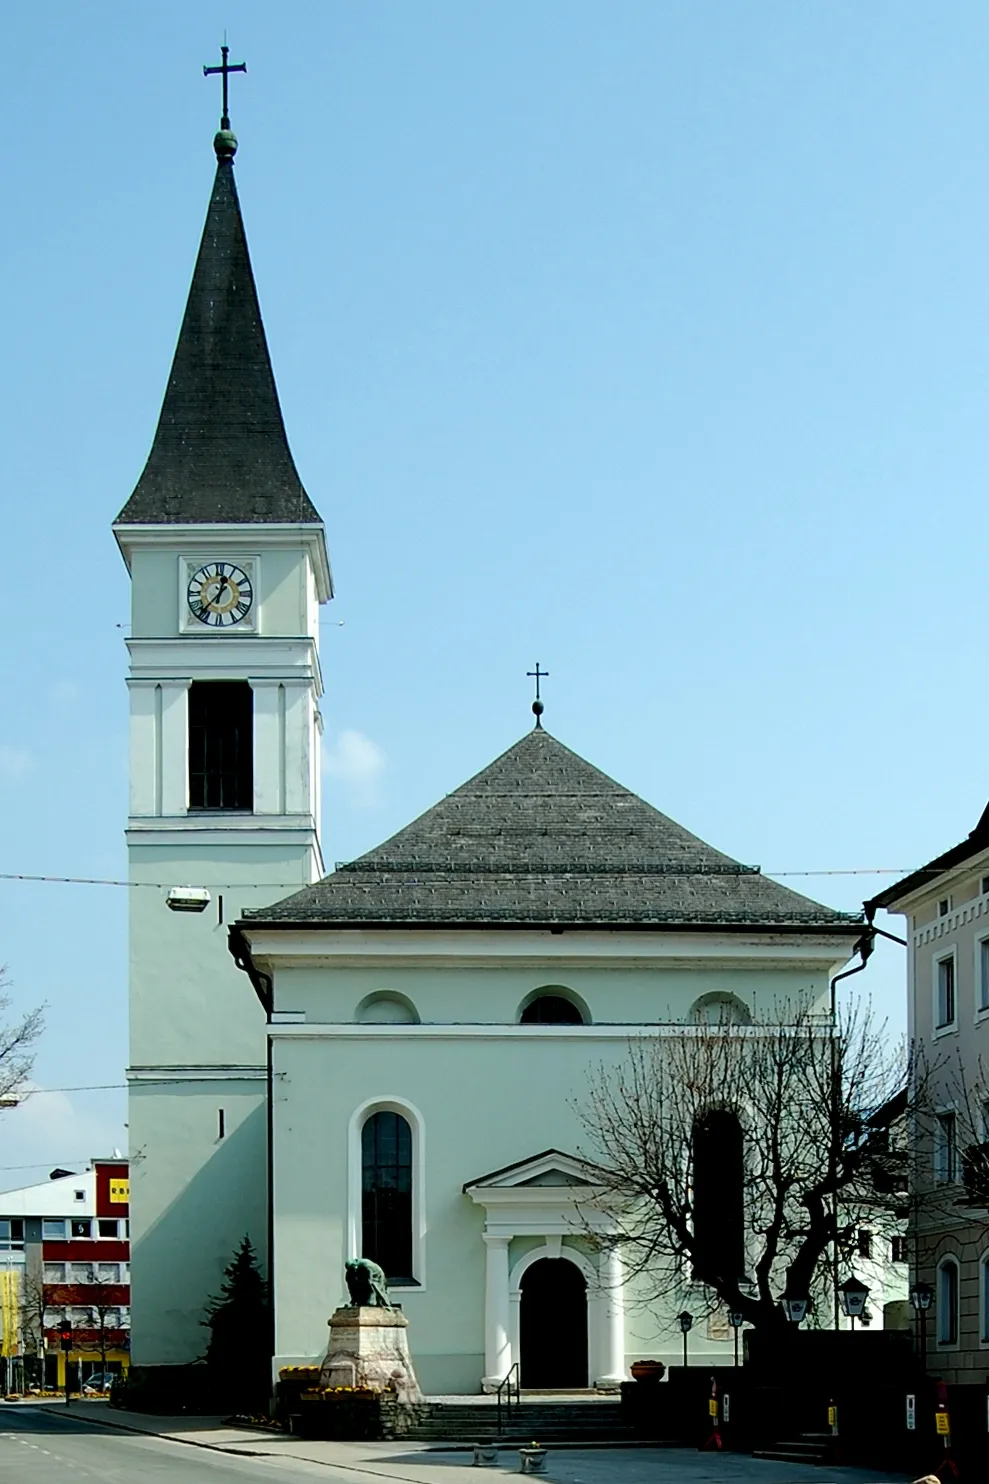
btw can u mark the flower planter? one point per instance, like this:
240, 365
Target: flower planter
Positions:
532, 1460
648, 1371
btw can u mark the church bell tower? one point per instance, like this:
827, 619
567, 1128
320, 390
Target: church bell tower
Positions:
228, 566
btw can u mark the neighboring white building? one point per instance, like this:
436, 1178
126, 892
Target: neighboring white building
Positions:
946, 908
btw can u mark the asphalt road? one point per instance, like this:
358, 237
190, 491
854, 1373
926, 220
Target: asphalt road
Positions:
43, 1447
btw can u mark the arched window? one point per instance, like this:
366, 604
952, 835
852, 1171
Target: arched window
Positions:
386, 1194
718, 1196
947, 1301
386, 1007
553, 1004
718, 1008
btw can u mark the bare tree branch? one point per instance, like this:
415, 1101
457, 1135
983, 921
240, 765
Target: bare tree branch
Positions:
808, 1096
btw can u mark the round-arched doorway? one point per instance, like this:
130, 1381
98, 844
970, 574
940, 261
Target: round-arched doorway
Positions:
553, 1325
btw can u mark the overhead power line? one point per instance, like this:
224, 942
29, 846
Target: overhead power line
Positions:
300, 886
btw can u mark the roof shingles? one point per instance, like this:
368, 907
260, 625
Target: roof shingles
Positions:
542, 837
220, 453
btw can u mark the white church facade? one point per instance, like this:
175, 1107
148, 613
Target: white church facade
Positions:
388, 1060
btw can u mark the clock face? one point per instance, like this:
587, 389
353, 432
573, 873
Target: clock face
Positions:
220, 594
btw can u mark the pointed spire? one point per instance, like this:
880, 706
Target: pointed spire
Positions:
220, 452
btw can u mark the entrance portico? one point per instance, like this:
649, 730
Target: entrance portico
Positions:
551, 1196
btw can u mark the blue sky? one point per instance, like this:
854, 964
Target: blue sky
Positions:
644, 339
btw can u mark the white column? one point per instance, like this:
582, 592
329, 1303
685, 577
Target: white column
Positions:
612, 1341
497, 1344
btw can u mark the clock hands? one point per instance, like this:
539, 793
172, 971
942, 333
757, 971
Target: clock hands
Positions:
224, 580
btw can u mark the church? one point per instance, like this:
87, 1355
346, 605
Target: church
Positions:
386, 1060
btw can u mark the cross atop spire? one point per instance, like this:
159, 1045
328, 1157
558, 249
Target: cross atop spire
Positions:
537, 706
225, 68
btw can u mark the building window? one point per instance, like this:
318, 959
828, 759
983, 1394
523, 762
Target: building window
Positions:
11, 1234
898, 1250
718, 1197
947, 1302
106, 1272
78, 1195
864, 1243
551, 1009
53, 1231
221, 745
107, 1228
985, 885
982, 974
386, 1194
945, 1148
944, 992
944, 907
54, 1272
82, 1228
718, 1008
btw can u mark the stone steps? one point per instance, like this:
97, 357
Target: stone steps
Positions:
549, 1422
807, 1449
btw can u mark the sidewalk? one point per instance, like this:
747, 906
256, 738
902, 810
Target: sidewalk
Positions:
417, 1464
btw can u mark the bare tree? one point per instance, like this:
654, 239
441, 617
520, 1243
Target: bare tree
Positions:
783, 1114
33, 1306
102, 1295
17, 1039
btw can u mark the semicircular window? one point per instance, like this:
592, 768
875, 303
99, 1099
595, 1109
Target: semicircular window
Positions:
387, 1007
551, 1009
720, 1009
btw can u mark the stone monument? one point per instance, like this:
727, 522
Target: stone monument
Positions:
368, 1342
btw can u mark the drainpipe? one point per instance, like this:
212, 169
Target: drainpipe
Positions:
863, 948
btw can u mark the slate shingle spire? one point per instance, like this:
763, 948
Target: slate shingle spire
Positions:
220, 452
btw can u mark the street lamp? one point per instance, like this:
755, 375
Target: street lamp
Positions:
921, 1297
735, 1319
796, 1310
853, 1298
686, 1323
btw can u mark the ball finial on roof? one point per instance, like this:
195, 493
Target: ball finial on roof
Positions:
537, 710
225, 144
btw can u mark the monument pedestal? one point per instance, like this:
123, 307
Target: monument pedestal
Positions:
369, 1347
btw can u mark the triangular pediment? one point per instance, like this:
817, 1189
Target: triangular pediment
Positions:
551, 1168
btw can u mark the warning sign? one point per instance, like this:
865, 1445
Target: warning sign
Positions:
943, 1425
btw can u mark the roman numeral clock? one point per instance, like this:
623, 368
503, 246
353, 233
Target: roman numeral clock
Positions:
219, 595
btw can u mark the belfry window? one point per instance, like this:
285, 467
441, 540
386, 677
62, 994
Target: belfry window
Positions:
221, 745
386, 1194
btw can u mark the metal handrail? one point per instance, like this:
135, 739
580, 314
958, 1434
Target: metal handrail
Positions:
507, 1383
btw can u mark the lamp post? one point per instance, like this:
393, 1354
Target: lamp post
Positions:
921, 1296
735, 1319
853, 1298
796, 1310
686, 1323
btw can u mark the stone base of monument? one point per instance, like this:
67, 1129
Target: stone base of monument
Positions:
369, 1348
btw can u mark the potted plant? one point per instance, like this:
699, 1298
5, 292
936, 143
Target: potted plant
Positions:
650, 1371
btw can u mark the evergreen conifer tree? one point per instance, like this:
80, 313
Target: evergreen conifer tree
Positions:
238, 1356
